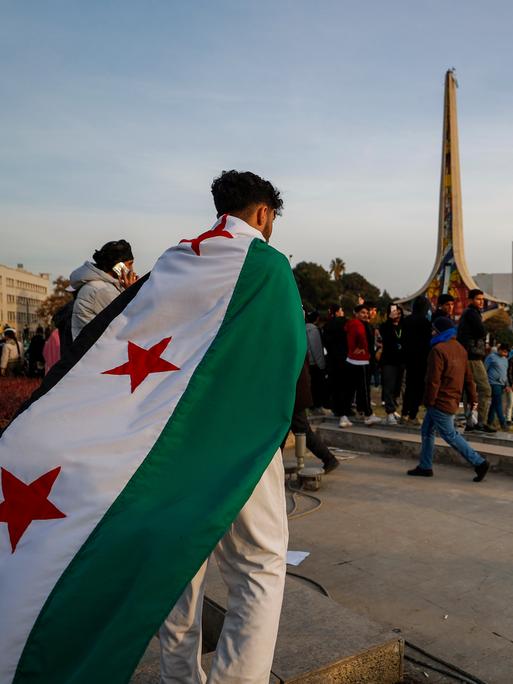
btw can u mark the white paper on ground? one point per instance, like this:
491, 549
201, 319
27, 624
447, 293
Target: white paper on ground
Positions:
296, 557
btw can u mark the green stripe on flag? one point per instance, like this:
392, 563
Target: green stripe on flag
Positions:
227, 426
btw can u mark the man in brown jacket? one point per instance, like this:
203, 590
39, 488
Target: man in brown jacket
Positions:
448, 372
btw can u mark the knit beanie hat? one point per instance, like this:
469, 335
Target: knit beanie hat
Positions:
442, 324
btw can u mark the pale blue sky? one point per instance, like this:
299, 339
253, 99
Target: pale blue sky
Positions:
115, 117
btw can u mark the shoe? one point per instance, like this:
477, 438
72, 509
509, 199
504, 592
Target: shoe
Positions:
391, 419
471, 428
421, 472
330, 465
372, 420
397, 415
415, 421
481, 471
489, 430
505, 428
344, 422
404, 420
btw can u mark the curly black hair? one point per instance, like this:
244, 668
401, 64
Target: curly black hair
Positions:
111, 253
234, 191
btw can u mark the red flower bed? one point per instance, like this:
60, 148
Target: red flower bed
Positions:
13, 392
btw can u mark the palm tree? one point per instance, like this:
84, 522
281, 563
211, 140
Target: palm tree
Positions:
337, 268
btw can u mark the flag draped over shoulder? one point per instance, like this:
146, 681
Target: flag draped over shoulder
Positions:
140, 449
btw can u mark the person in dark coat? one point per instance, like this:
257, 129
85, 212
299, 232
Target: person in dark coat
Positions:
316, 360
334, 339
416, 344
36, 359
392, 360
472, 335
370, 331
300, 424
62, 321
444, 307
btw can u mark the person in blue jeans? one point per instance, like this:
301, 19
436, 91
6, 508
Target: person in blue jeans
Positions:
448, 372
496, 364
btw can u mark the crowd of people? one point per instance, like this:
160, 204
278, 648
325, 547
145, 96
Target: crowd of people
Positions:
424, 358
349, 356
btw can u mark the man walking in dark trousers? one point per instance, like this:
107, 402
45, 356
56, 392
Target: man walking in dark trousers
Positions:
335, 342
417, 336
301, 425
448, 372
472, 335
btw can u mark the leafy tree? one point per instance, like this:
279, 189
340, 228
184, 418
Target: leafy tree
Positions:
316, 288
504, 336
354, 288
337, 268
56, 300
499, 327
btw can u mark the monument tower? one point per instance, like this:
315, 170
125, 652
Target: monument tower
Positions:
450, 273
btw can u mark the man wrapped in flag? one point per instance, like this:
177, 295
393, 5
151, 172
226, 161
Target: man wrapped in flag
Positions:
154, 441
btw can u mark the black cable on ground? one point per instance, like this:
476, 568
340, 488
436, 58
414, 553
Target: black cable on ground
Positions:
319, 586
453, 675
463, 673
298, 491
457, 673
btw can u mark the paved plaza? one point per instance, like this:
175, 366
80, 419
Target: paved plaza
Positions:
430, 557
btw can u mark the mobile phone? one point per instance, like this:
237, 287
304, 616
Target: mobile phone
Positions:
119, 269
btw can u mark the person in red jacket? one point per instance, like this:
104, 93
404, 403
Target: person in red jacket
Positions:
358, 369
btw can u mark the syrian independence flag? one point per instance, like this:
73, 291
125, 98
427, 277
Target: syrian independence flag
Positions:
138, 452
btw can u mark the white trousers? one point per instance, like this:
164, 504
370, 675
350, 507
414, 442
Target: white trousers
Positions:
251, 558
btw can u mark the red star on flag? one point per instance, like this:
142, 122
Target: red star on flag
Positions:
219, 231
24, 503
141, 362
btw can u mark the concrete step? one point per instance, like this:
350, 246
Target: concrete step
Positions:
148, 671
319, 641
404, 442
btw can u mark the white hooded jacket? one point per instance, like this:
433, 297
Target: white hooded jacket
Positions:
96, 290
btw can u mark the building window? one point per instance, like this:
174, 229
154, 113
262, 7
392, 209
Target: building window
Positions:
10, 282
11, 316
10, 299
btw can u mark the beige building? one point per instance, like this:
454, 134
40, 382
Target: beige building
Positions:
21, 294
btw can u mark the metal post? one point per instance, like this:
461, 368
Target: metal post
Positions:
300, 449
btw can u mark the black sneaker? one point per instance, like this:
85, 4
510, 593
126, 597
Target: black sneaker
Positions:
489, 430
481, 471
421, 472
471, 428
330, 465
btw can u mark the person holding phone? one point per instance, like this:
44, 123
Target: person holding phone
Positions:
100, 281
